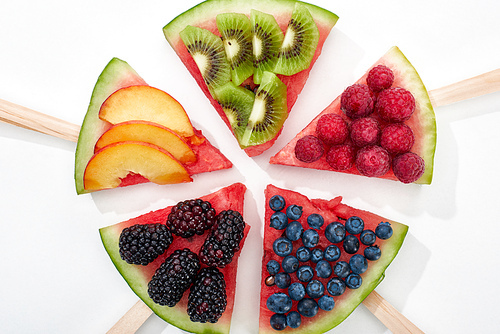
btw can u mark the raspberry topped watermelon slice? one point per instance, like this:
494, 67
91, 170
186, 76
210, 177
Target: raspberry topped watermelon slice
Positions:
321, 259
186, 254
252, 46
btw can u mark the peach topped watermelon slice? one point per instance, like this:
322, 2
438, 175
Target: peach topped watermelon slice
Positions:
264, 47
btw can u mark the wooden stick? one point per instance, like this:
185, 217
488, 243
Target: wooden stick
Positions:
132, 320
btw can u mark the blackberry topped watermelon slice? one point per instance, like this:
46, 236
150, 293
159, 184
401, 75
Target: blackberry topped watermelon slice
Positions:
222, 27
171, 281
321, 259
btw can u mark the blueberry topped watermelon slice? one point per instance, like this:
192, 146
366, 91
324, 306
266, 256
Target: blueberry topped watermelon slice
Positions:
265, 47
182, 260
381, 126
321, 259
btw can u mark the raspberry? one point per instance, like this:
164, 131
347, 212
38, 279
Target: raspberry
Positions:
191, 217
357, 101
408, 167
332, 129
397, 138
309, 149
207, 298
395, 104
365, 131
341, 157
379, 78
373, 161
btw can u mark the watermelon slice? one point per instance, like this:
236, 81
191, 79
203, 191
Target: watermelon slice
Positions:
422, 122
331, 211
137, 277
204, 16
118, 74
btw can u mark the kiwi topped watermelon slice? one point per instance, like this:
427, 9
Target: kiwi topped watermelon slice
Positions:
404, 144
222, 27
321, 259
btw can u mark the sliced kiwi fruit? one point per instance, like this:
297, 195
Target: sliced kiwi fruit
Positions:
269, 111
236, 34
300, 43
266, 42
237, 103
207, 50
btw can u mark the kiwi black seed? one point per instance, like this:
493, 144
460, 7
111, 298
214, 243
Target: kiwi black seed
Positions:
236, 34
300, 43
207, 50
269, 111
237, 102
266, 42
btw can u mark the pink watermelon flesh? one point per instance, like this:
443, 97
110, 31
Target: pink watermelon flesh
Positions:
116, 75
203, 16
137, 277
422, 122
331, 210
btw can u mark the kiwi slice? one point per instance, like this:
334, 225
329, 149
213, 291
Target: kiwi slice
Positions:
237, 103
236, 34
269, 111
299, 45
207, 50
266, 42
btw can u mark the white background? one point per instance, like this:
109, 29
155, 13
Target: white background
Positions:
57, 278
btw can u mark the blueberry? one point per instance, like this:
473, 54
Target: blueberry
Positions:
341, 269
296, 291
315, 289
310, 238
373, 253
307, 307
335, 286
315, 221
290, 264
354, 225
332, 253
294, 230
383, 230
277, 203
278, 321
279, 302
282, 280
351, 244
367, 237
278, 220
293, 319
335, 232
358, 264
303, 254
273, 267
323, 269
353, 281
326, 303
294, 212
282, 246
316, 255
305, 273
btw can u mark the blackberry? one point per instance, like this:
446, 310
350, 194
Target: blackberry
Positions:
173, 277
143, 243
191, 217
207, 298
224, 239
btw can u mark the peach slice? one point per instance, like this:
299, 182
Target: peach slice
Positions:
151, 133
146, 103
114, 162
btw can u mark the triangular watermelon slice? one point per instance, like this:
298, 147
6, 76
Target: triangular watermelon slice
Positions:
204, 16
137, 276
331, 211
422, 122
116, 75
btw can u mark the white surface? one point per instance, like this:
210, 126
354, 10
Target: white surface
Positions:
56, 276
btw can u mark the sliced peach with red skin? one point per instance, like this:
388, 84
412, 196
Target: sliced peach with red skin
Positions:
146, 103
151, 133
114, 162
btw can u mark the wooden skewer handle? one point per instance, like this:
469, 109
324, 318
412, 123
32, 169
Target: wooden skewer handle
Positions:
132, 320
